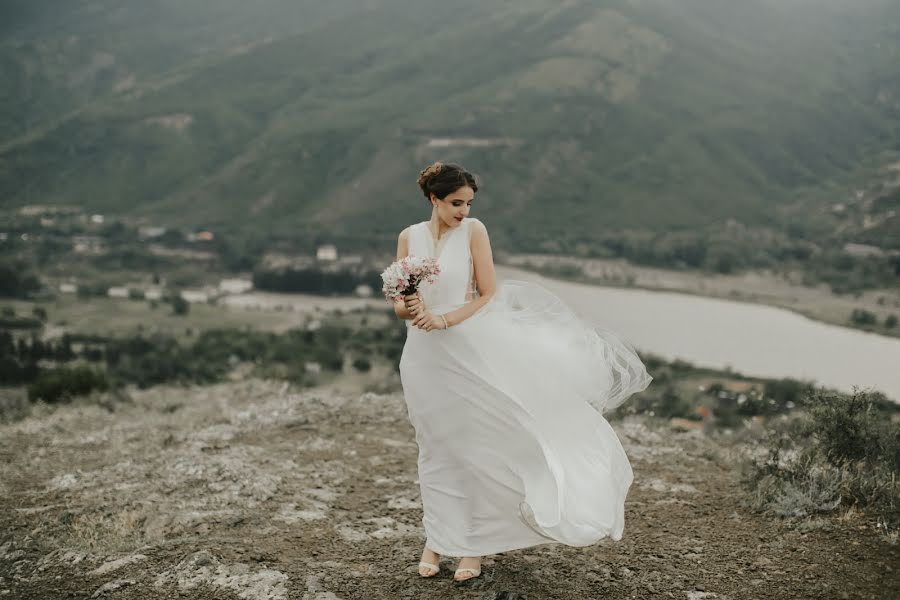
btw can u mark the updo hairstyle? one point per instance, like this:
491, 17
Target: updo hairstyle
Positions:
441, 179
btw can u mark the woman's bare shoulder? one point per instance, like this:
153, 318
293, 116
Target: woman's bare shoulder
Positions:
475, 224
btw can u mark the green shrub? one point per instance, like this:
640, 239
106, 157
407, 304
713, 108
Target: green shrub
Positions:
673, 404
66, 382
180, 306
844, 450
860, 316
849, 428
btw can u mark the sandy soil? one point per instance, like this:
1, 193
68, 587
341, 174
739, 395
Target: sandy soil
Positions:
253, 490
761, 287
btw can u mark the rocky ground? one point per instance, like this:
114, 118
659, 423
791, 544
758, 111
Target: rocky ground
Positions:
253, 490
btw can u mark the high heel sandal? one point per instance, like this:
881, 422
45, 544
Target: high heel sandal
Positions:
475, 573
436, 568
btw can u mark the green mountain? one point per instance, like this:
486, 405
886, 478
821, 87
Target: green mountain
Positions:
578, 116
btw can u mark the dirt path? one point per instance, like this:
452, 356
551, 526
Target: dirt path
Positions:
249, 490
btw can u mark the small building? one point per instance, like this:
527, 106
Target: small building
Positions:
151, 231
194, 296
68, 288
117, 292
364, 291
235, 285
153, 294
862, 250
327, 252
88, 244
201, 236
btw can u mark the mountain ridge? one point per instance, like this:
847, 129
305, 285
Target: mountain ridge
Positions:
642, 115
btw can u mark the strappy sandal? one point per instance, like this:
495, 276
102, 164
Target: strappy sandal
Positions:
428, 565
475, 573
431, 566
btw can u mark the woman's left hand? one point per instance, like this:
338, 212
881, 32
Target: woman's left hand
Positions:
428, 321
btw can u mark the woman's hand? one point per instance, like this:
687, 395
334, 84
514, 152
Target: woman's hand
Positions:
413, 303
428, 321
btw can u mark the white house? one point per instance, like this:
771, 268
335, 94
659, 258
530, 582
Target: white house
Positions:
862, 250
151, 231
327, 252
235, 286
68, 288
88, 244
117, 292
194, 295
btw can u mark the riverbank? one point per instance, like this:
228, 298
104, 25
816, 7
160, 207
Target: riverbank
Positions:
255, 490
760, 287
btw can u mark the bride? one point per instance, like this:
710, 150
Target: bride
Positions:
505, 387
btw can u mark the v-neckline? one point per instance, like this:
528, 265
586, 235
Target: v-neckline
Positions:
437, 246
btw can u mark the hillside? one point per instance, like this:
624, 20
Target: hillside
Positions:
252, 490
579, 116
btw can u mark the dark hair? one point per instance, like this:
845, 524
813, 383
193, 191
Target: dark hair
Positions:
441, 179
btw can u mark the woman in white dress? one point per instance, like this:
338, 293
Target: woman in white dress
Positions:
505, 388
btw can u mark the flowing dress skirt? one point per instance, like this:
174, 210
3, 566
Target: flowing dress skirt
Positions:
507, 408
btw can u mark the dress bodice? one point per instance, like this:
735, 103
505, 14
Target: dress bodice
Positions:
455, 285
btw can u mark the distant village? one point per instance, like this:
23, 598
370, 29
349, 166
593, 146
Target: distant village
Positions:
326, 256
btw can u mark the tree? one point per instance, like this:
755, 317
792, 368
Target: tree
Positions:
180, 306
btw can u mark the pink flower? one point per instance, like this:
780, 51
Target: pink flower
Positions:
404, 276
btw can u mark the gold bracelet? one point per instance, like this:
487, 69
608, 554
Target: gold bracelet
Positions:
445, 322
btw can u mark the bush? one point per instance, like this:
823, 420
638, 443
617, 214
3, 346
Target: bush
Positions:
65, 383
180, 306
673, 404
329, 357
844, 451
860, 316
362, 364
778, 393
17, 280
850, 428
91, 290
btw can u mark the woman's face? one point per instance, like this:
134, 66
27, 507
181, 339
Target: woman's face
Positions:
455, 207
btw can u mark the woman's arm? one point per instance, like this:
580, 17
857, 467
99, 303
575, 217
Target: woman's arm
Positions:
402, 250
485, 279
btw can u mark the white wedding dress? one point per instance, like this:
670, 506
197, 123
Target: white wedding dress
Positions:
507, 408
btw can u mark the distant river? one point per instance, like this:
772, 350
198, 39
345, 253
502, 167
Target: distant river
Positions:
750, 338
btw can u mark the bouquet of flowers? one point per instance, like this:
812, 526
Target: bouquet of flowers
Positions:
403, 277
